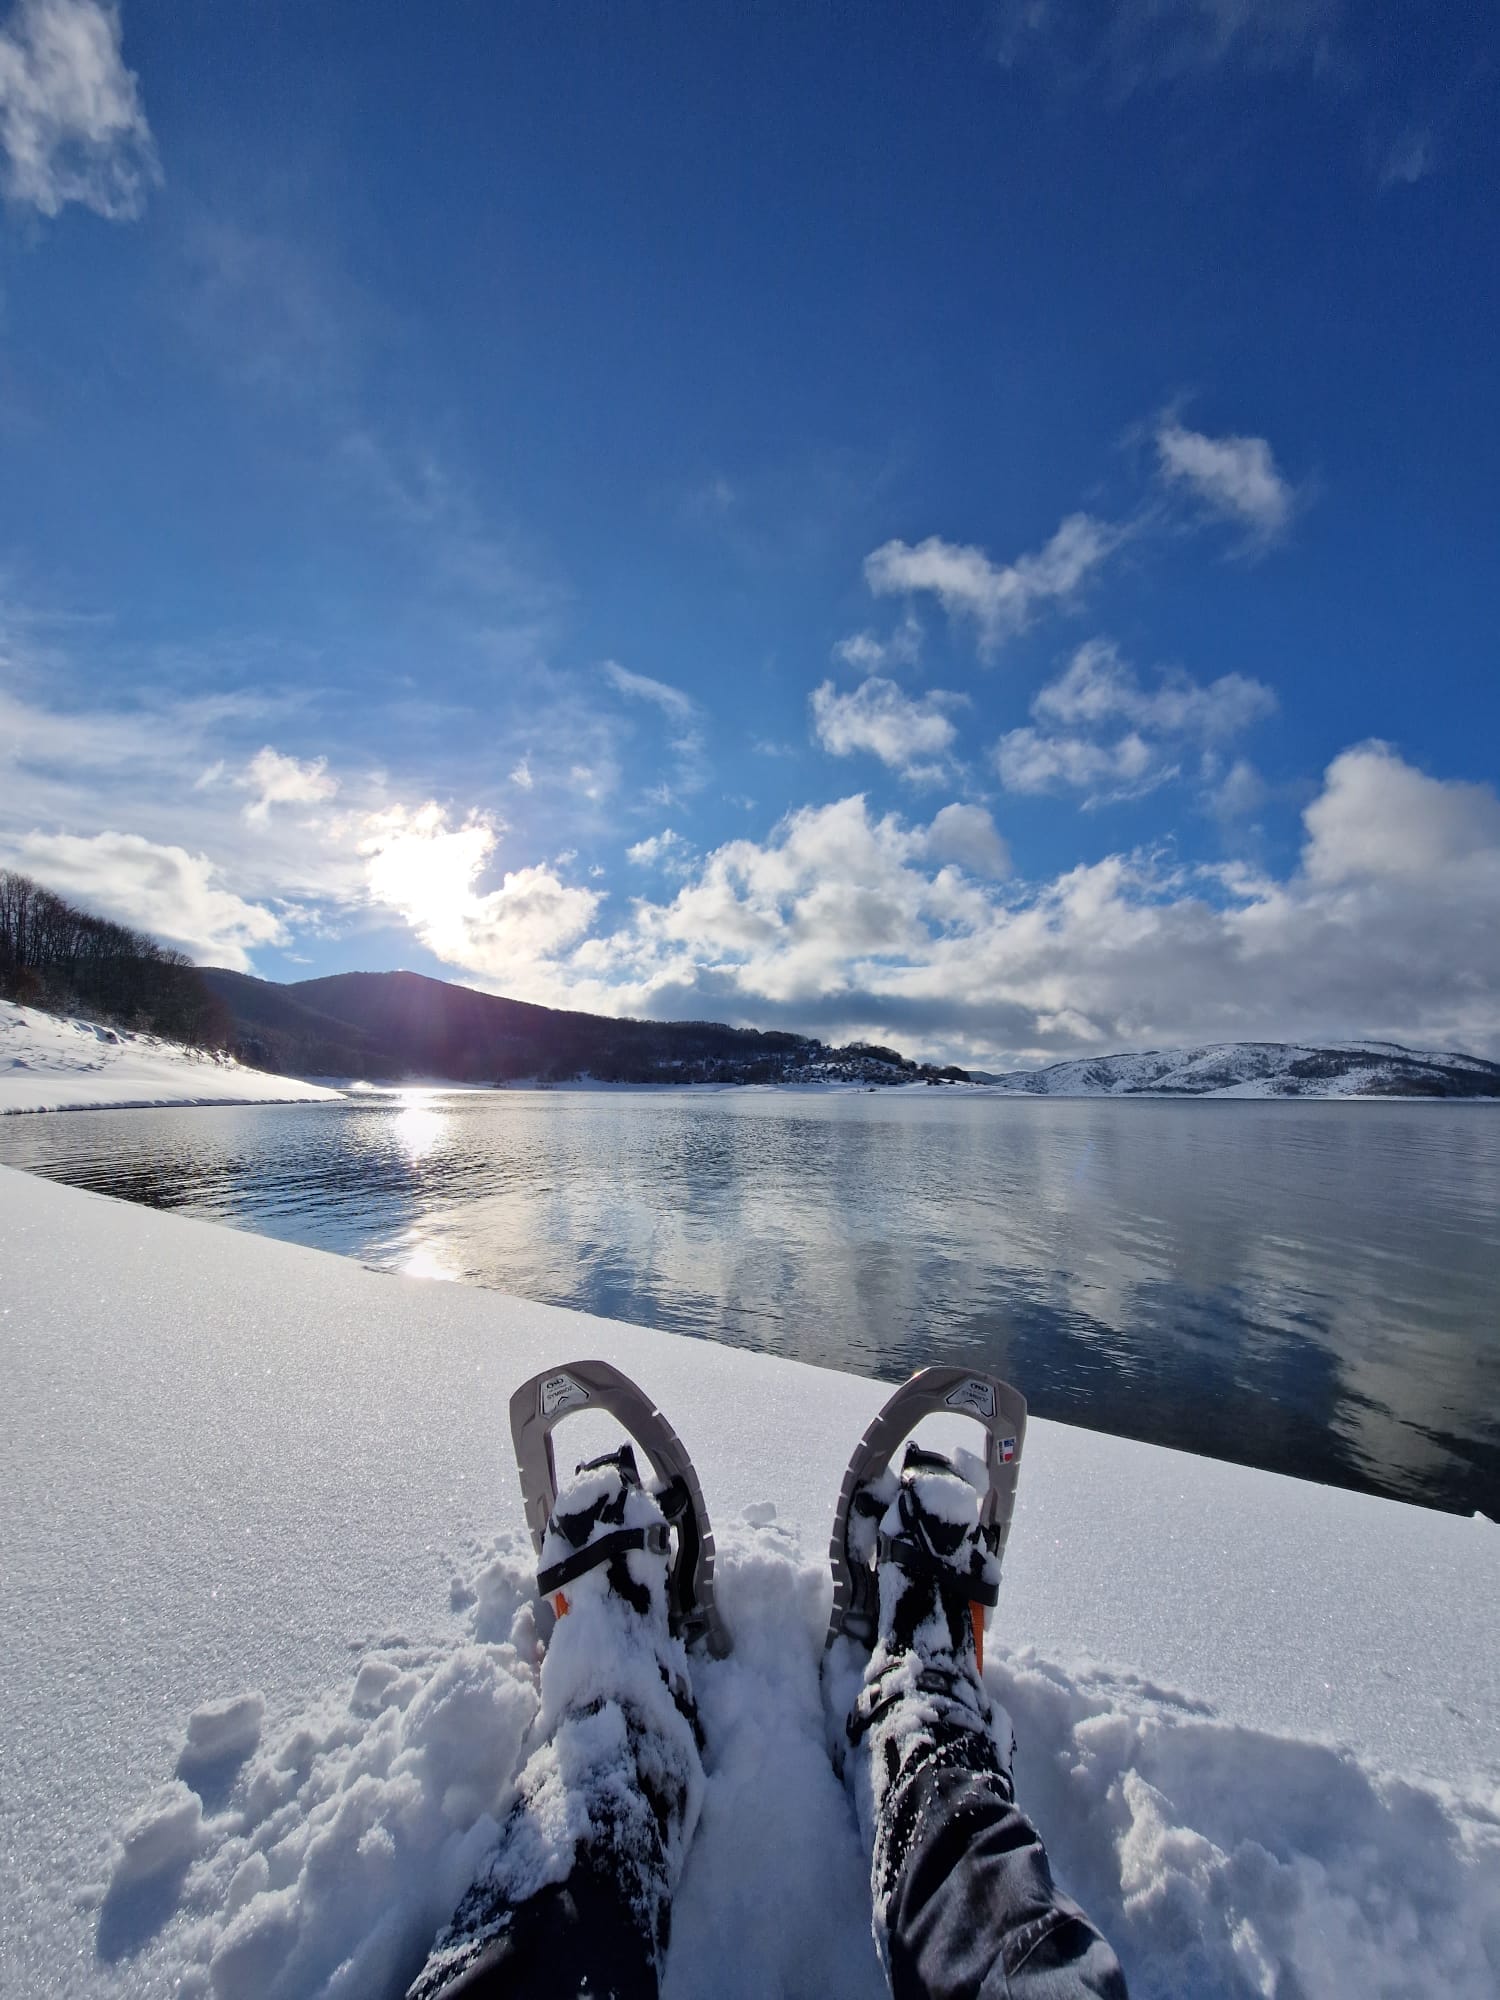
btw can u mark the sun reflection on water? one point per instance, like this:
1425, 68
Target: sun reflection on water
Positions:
420, 1125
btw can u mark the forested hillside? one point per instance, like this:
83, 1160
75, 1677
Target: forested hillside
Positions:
57, 956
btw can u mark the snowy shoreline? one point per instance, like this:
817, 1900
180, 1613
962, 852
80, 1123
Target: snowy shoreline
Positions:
265, 1651
49, 1062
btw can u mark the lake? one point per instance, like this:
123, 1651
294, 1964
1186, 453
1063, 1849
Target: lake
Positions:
1307, 1287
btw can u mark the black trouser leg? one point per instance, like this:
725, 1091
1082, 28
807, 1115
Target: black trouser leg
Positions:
577, 1940
972, 1912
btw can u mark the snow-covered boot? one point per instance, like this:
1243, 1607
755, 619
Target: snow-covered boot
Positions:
575, 1899
922, 1704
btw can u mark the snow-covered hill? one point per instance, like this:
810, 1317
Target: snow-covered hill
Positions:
1265, 1069
51, 1063
266, 1654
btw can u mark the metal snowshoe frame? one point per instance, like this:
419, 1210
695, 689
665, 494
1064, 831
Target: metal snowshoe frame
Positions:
540, 1405
995, 1406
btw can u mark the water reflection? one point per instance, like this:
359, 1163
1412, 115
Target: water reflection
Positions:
1306, 1287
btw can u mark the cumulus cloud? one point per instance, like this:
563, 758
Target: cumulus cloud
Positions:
1389, 926
72, 128
277, 780
1000, 598
1099, 693
867, 653
175, 895
660, 849
1029, 761
911, 735
427, 870
1378, 819
1234, 477
966, 834
1100, 687
1234, 793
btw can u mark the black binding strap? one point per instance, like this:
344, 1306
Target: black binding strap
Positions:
952, 1583
605, 1549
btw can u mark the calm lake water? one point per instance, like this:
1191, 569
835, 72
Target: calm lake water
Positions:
1309, 1287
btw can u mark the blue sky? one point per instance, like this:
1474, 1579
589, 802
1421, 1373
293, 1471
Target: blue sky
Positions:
973, 525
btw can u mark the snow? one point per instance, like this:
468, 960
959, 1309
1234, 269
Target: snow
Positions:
49, 1062
1247, 1069
267, 1662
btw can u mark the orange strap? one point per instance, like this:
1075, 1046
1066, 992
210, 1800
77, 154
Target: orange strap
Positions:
976, 1614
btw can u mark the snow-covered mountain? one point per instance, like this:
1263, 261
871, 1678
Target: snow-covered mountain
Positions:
1265, 1069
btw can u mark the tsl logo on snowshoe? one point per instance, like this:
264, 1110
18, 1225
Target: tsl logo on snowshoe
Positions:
561, 1392
973, 1395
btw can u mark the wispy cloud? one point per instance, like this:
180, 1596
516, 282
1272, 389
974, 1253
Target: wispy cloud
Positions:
911, 735
1134, 44
1408, 161
640, 687
72, 127
279, 780
690, 771
1001, 598
1234, 477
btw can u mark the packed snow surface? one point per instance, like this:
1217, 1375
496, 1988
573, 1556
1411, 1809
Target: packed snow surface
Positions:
268, 1664
51, 1063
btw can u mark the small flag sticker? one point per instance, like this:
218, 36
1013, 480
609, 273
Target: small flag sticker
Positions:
1007, 1450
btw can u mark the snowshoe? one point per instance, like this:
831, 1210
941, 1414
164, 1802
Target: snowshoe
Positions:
537, 1408
869, 1486
576, 1895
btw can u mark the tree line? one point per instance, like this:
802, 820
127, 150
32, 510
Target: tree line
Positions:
56, 956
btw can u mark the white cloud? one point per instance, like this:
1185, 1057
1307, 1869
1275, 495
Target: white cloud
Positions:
966, 834
521, 775
1234, 793
426, 870
647, 853
1100, 687
1133, 44
1409, 159
72, 128
1378, 819
277, 780
911, 735
845, 923
1100, 692
1001, 598
640, 687
868, 654
176, 896
1235, 477
1029, 761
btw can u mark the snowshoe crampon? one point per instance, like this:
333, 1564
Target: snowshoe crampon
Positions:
995, 1406
540, 1405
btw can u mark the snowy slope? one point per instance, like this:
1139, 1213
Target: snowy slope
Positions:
265, 1668
1265, 1069
51, 1063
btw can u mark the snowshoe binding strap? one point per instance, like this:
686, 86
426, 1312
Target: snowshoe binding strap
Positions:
942, 1391
536, 1409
